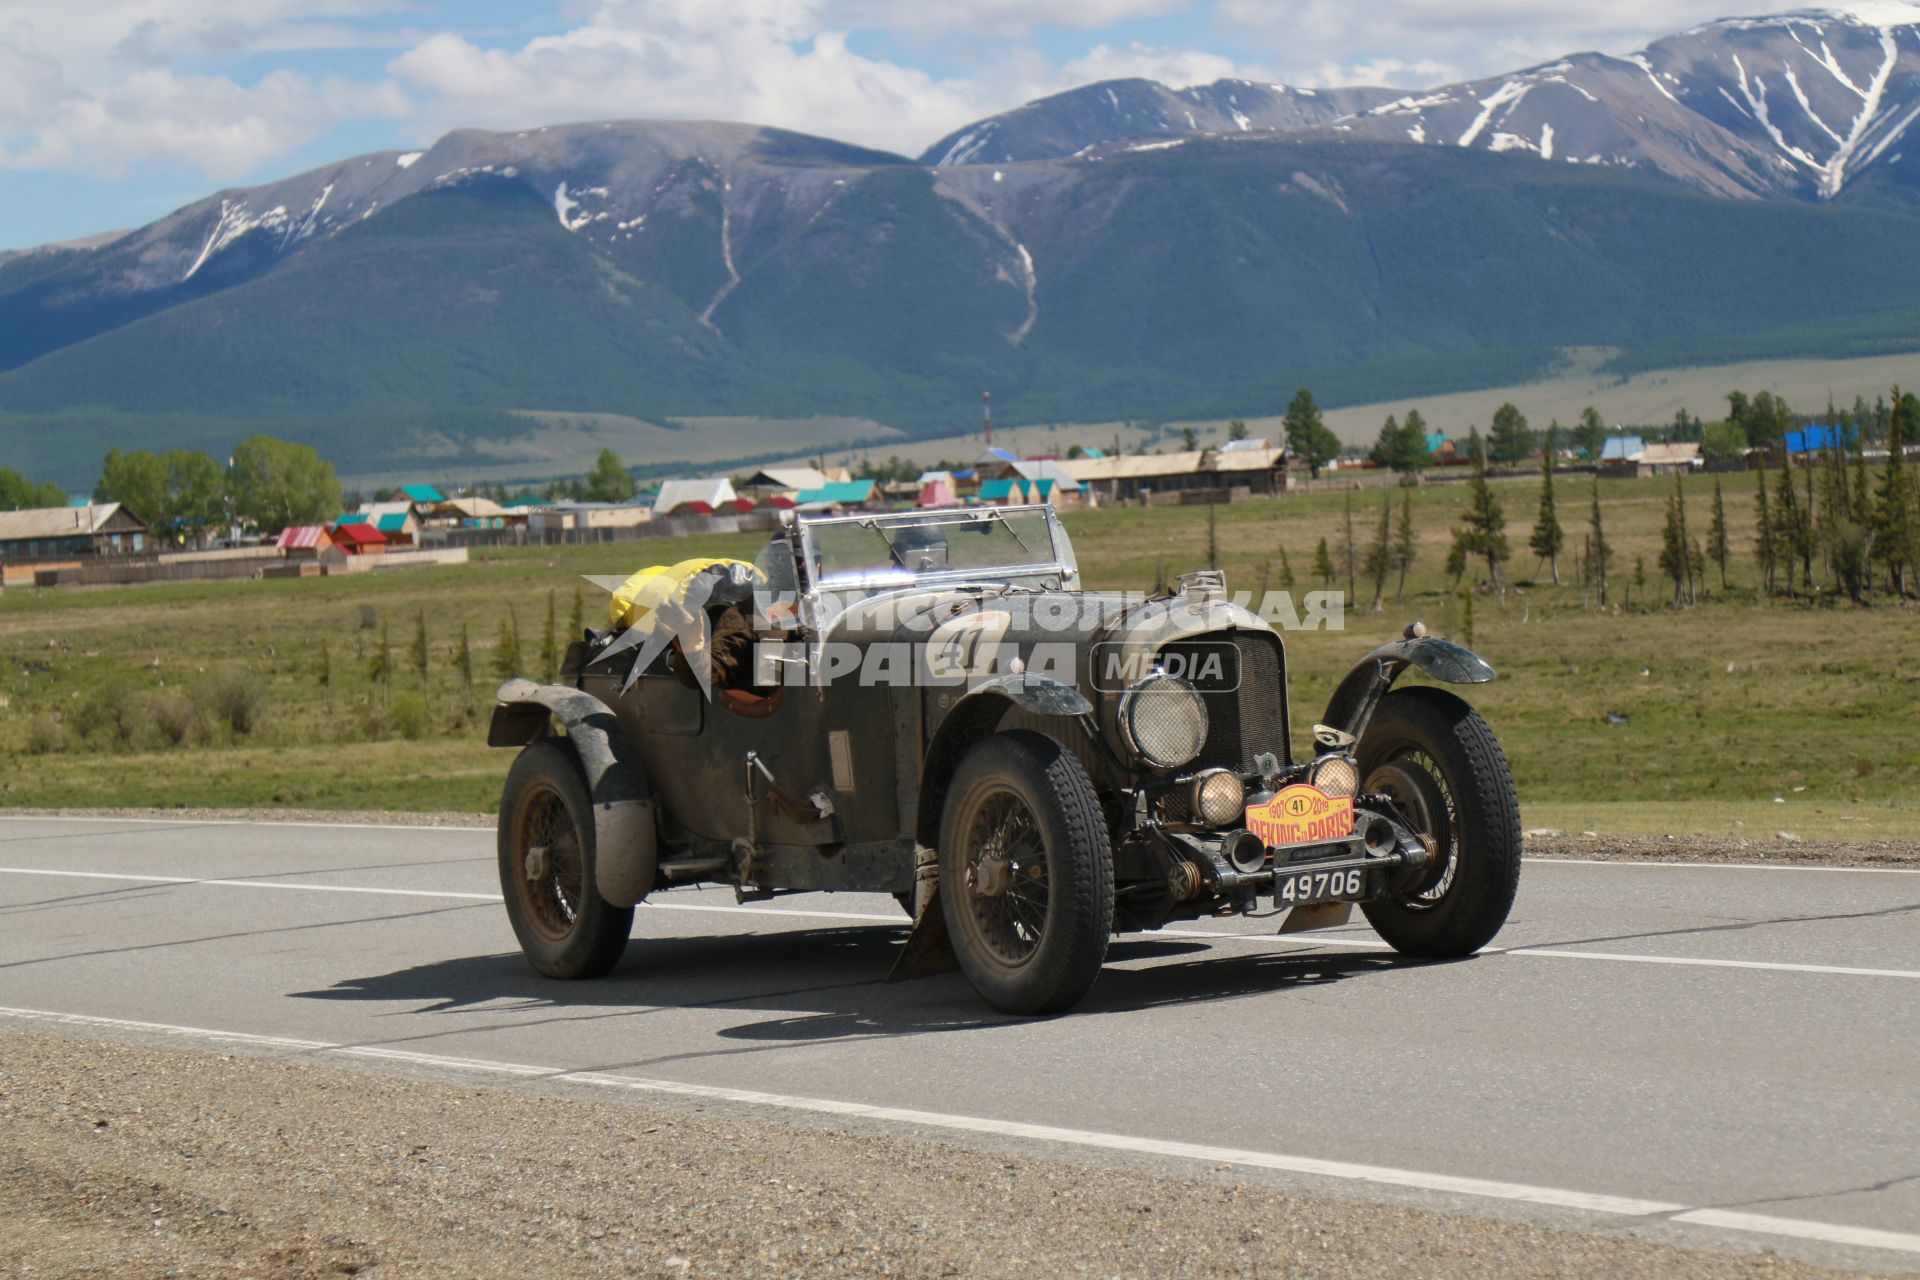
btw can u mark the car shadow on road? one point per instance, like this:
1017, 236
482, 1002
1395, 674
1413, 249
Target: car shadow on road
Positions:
819, 986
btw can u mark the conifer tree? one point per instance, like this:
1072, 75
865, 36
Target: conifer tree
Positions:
1380, 552
380, 665
1788, 533
1213, 538
1405, 549
1673, 551
1599, 553
576, 617
1717, 533
463, 664
1483, 533
549, 655
417, 650
1639, 578
1414, 455
1323, 564
1386, 446
323, 673
1349, 554
1286, 572
1548, 537
1894, 525
1766, 539
506, 655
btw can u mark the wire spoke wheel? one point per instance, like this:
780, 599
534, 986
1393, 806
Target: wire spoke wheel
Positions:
1417, 785
552, 872
547, 858
1026, 873
1437, 762
1007, 880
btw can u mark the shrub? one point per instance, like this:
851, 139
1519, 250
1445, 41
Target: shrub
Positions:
369, 617
408, 718
45, 736
173, 714
231, 699
110, 716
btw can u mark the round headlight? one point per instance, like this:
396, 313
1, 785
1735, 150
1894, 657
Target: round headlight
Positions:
1336, 775
1219, 798
1164, 721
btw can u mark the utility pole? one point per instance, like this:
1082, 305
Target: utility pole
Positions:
986, 410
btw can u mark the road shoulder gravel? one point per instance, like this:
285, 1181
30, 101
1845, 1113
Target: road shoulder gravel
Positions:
129, 1159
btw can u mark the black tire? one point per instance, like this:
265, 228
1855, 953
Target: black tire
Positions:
565, 928
1035, 945
1440, 763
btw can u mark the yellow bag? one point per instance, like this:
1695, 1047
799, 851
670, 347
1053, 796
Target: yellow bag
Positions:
637, 599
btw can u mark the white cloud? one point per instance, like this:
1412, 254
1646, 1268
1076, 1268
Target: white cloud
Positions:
1176, 67
210, 123
764, 61
1418, 43
996, 17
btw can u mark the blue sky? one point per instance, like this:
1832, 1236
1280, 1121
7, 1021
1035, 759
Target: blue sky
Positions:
115, 112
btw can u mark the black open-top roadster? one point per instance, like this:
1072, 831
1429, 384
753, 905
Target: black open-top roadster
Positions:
926, 705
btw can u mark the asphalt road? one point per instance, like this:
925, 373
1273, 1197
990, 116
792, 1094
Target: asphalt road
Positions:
1717, 1055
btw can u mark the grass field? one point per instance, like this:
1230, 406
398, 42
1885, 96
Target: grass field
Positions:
1726, 707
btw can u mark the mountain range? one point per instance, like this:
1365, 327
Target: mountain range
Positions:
1121, 250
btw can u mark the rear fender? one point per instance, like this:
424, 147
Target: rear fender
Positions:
1351, 709
625, 839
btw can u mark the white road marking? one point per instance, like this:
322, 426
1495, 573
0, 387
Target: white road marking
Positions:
250, 884
402, 826
1722, 866
1480, 1188
1338, 943
1778, 967
247, 822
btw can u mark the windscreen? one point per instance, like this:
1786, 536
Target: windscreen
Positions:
901, 549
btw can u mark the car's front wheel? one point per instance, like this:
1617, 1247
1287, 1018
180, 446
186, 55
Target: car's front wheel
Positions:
565, 927
1026, 874
1438, 761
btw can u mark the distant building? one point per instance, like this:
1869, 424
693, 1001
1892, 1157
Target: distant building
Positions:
1133, 476
1668, 459
702, 496
304, 541
70, 533
359, 538
396, 520
1620, 456
769, 481
841, 495
1821, 439
559, 516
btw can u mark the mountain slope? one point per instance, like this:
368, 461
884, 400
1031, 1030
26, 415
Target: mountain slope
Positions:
1798, 104
1079, 120
403, 305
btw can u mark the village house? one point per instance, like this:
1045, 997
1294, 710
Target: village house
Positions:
70, 533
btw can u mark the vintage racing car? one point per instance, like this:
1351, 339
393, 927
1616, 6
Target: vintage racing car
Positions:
926, 705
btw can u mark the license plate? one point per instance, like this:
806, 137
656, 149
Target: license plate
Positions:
1300, 888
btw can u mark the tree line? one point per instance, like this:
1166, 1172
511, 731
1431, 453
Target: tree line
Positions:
1826, 525
185, 495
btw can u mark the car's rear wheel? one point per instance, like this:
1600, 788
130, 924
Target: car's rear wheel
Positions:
565, 928
1437, 760
1026, 874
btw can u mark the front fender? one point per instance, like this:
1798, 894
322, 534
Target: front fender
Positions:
973, 718
1353, 702
625, 839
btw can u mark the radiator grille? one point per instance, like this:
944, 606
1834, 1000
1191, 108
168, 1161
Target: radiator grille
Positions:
1247, 716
